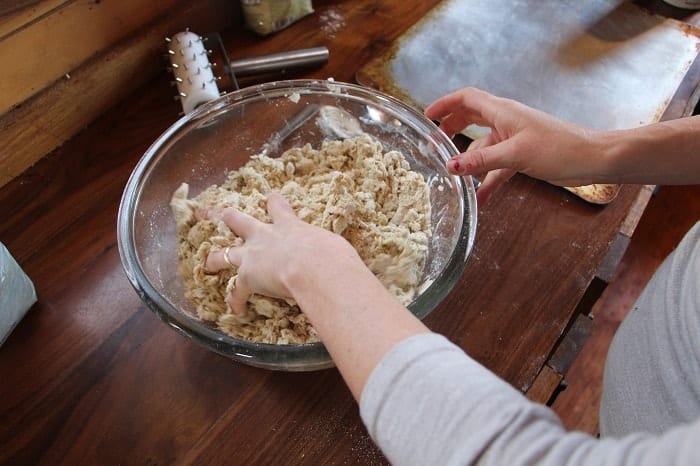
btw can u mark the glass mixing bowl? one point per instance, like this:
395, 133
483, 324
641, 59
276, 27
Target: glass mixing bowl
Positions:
222, 135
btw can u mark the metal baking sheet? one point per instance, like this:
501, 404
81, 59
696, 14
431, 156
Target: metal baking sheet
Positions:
601, 63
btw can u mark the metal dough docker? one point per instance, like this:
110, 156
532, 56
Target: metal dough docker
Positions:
195, 76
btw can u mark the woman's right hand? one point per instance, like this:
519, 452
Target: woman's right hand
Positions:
275, 255
357, 318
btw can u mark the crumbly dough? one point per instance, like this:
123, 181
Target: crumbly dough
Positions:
351, 187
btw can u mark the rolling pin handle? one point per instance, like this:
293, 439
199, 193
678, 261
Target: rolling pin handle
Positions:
281, 61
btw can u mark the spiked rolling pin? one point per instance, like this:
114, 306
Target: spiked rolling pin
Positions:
194, 75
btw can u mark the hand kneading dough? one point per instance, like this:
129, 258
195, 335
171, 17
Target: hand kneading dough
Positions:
351, 187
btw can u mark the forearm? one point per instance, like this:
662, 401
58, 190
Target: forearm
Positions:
358, 320
662, 153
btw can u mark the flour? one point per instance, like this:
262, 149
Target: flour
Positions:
351, 187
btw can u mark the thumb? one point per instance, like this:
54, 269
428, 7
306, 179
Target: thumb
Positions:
485, 159
237, 295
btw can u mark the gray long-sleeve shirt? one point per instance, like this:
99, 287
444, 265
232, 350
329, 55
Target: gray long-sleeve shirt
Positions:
428, 403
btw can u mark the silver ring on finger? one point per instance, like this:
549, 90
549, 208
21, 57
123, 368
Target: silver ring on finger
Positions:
227, 259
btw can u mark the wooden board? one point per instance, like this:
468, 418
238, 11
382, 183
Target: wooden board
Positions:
545, 385
56, 113
91, 376
48, 47
15, 15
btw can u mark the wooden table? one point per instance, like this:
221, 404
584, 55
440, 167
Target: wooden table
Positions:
91, 376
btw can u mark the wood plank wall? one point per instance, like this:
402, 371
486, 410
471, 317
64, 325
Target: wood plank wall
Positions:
67, 61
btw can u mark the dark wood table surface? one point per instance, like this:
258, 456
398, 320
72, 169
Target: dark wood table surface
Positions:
92, 376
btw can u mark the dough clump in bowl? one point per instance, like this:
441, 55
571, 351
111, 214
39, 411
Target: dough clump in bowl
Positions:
352, 187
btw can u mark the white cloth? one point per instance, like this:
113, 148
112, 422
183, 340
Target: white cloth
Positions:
17, 293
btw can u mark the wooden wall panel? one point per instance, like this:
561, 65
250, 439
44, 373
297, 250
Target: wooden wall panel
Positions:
18, 14
56, 113
45, 50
